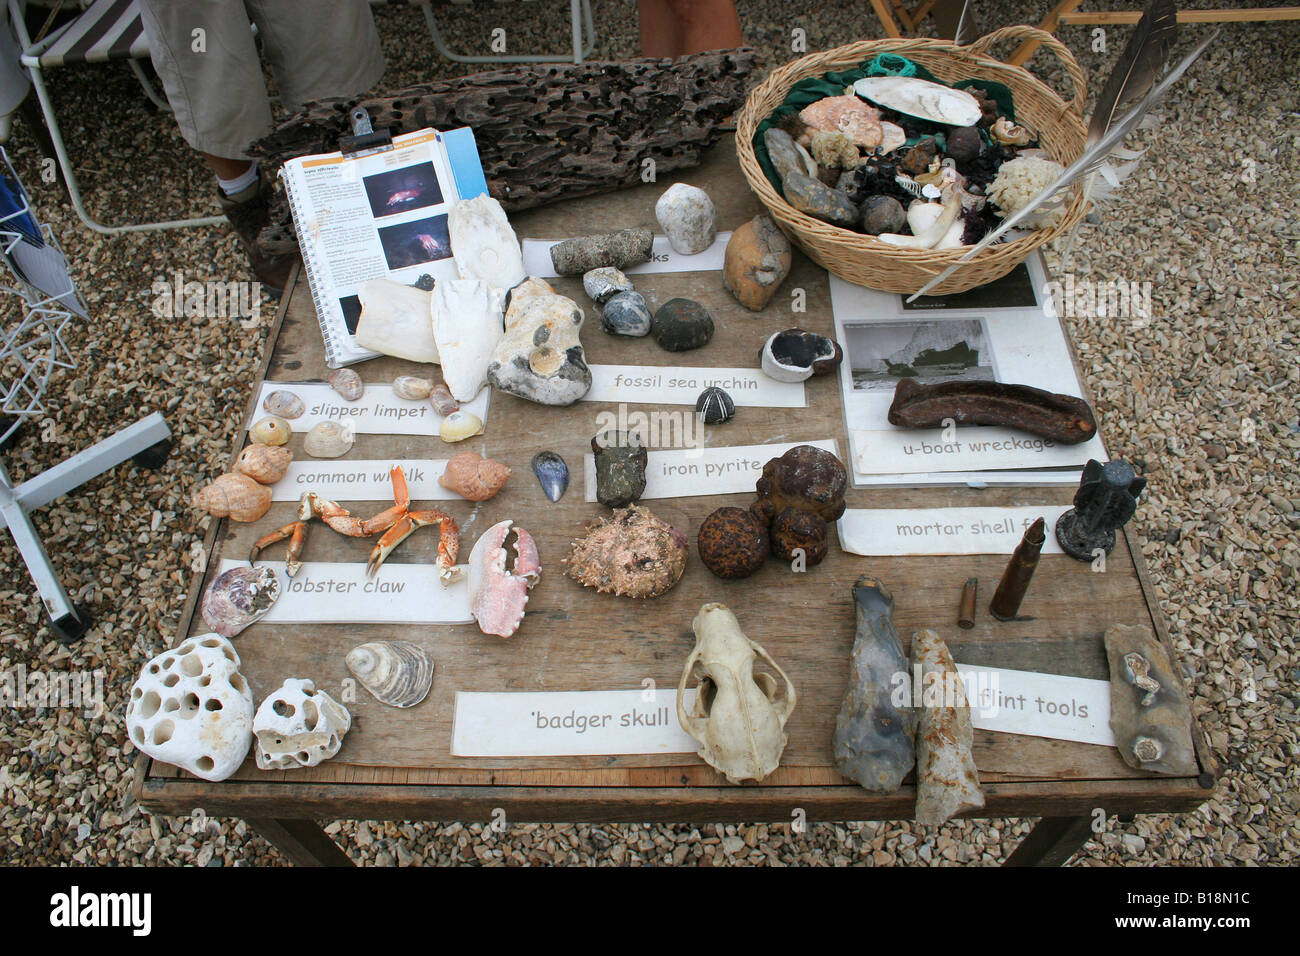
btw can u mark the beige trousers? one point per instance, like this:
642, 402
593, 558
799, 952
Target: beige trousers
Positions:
206, 56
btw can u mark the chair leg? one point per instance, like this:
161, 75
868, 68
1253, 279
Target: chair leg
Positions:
70, 175
580, 14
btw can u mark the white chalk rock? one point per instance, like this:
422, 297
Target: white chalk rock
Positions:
686, 215
484, 244
190, 707
298, 726
395, 321
467, 324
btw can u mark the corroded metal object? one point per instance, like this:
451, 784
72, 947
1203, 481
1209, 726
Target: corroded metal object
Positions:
1106, 499
1059, 418
946, 780
966, 613
1152, 727
874, 736
1020, 569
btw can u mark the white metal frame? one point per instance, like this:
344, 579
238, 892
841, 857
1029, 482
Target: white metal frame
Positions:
33, 348
580, 23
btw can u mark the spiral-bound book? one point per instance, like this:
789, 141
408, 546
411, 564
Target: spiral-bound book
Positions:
378, 215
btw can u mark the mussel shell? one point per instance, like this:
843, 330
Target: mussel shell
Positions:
552, 473
398, 673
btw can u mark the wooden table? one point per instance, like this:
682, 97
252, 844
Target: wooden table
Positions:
397, 764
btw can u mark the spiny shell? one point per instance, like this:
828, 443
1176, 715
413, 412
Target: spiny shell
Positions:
271, 430
631, 553
347, 383
238, 597
265, 464
442, 400
552, 473
474, 477
237, 497
412, 387
329, 440
398, 673
460, 425
285, 404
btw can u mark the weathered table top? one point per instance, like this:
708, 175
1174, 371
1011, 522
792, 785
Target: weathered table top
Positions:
398, 764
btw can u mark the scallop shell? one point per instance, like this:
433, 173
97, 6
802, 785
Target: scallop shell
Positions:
474, 477
265, 464
398, 673
347, 383
460, 425
271, 430
235, 496
412, 387
329, 440
285, 404
238, 597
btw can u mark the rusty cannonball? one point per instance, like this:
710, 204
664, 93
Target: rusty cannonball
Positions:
794, 530
733, 543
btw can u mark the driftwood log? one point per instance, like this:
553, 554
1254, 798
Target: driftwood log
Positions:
548, 132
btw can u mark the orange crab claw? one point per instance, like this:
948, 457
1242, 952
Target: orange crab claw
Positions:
448, 542
296, 532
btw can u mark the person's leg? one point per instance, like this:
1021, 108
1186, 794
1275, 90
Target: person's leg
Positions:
681, 27
338, 54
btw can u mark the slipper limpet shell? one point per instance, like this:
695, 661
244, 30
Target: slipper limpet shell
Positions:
329, 440
412, 387
460, 425
285, 404
271, 430
347, 383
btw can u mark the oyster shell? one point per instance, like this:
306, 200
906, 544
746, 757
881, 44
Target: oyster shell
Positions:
921, 98
329, 440
397, 673
474, 477
412, 387
552, 474
395, 321
484, 244
631, 553
347, 383
238, 597
234, 496
265, 464
271, 430
285, 404
467, 327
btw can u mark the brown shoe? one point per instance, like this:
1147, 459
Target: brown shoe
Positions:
247, 212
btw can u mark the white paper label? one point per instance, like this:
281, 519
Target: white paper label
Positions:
673, 385
364, 480
323, 592
1037, 705
569, 723
897, 531
377, 412
537, 258
686, 472
906, 451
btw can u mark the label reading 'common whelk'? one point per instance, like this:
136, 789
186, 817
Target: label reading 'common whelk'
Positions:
676, 385
683, 472
377, 412
340, 593
340, 479
569, 723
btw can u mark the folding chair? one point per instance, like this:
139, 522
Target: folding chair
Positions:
579, 18
106, 31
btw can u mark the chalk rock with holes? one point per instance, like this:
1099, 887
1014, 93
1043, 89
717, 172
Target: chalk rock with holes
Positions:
192, 708
540, 357
298, 726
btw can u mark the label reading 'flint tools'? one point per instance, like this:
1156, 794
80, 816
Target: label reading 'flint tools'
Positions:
1036, 705
371, 480
672, 385
895, 531
537, 258
329, 593
377, 412
683, 472
569, 724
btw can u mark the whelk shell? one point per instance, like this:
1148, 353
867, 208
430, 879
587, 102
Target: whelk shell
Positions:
460, 425
398, 673
552, 473
412, 387
285, 404
265, 464
329, 440
238, 597
347, 383
271, 430
234, 496
474, 477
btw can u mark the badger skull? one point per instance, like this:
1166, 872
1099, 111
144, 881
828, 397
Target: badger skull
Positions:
738, 716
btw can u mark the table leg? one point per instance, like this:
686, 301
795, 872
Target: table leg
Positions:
887, 18
302, 841
1052, 842
1049, 25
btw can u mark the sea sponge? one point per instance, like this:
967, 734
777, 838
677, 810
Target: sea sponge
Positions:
1019, 181
834, 150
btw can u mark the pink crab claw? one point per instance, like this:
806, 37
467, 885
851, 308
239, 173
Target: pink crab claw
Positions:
497, 596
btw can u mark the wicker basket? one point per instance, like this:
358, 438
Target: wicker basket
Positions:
867, 261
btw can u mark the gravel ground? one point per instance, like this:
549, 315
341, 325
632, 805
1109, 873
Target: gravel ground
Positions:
1201, 395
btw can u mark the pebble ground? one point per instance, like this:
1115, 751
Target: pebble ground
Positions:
1201, 394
